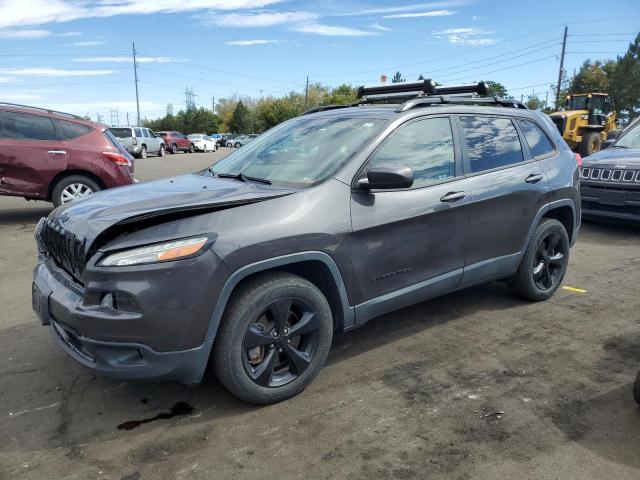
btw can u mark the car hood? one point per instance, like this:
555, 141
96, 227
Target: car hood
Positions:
189, 194
614, 158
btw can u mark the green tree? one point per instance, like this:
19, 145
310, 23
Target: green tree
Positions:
397, 78
624, 84
241, 119
496, 89
534, 103
420, 77
341, 95
592, 77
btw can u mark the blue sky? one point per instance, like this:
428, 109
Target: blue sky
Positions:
75, 55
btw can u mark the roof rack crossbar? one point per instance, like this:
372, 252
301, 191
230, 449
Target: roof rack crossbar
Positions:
48, 110
424, 87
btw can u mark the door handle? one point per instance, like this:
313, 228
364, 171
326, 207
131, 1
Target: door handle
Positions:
533, 178
57, 152
453, 197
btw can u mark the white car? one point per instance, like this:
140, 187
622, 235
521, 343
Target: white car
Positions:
203, 143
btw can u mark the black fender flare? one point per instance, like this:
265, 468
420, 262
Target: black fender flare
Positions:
236, 277
566, 202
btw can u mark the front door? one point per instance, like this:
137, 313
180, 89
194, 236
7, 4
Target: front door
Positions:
30, 154
408, 244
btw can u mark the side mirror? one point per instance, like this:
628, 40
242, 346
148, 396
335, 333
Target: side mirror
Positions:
607, 143
387, 177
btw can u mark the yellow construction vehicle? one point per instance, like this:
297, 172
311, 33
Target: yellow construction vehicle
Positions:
584, 122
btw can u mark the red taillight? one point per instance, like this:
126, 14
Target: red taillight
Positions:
117, 159
579, 160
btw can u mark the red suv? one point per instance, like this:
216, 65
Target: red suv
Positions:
55, 156
175, 141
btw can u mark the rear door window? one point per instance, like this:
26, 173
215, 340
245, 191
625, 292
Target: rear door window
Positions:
23, 126
539, 143
425, 146
71, 130
491, 142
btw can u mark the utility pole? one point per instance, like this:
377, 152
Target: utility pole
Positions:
213, 104
128, 119
135, 75
560, 72
306, 93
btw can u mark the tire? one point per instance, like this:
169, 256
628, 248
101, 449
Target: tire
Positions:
636, 389
250, 318
191, 148
544, 263
228, 145
238, 145
174, 149
161, 152
67, 185
590, 143
143, 152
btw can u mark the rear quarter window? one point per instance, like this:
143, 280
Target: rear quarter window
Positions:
538, 141
121, 132
71, 130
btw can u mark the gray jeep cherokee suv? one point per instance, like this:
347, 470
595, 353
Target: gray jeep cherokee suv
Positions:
317, 226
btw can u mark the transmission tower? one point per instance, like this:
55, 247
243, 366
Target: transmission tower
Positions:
114, 115
169, 108
99, 117
189, 98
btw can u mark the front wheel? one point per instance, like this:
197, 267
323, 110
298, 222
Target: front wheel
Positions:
274, 338
161, 152
72, 187
238, 145
590, 143
191, 148
544, 263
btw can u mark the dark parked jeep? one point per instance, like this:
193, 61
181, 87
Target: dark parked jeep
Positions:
320, 224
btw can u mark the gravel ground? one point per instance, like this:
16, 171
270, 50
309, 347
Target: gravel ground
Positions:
476, 384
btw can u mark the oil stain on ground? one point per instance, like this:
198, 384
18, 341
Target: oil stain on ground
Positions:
180, 408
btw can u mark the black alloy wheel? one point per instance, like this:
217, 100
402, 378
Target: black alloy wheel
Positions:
280, 344
550, 261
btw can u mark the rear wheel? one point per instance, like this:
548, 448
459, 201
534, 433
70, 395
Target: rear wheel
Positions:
174, 149
274, 338
544, 263
143, 152
590, 143
72, 187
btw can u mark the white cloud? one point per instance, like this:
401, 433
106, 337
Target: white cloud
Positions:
264, 19
431, 13
21, 96
248, 43
52, 72
331, 30
382, 28
39, 12
24, 34
7, 79
477, 18
407, 8
472, 36
89, 43
128, 59
70, 34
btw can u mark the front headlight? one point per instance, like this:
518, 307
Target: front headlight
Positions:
162, 252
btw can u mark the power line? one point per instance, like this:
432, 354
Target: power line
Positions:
501, 69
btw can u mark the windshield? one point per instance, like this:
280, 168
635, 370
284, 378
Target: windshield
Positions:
195, 137
301, 152
631, 139
121, 132
577, 103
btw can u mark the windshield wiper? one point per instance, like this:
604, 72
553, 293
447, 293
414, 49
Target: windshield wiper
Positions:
619, 146
243, 178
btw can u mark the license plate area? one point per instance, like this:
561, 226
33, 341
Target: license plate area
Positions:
40, 302
617, 199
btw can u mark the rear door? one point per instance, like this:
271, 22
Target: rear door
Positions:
508, 188
30, 154
412, 238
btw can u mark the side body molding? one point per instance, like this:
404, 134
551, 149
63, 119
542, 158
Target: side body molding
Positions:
242, 273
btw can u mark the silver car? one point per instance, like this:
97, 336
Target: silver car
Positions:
139, 141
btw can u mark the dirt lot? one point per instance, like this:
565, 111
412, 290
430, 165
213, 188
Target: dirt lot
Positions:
477, 384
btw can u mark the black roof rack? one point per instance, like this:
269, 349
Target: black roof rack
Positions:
448, 99
424, 87
44, 110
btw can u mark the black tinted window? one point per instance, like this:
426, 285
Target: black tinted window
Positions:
121, 132
491, 142
538, 142
138, 132
71, 130
27, 127
425, 146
